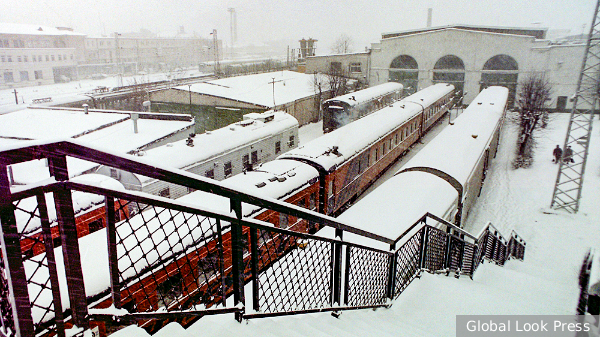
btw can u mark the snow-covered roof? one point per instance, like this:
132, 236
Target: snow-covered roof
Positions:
368, 94
223, 140
354, 137
23, 29
105, 131
258, 89
276, 179
53, 123
454, 151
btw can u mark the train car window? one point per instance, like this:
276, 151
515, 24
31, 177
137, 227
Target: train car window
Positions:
391, 143
312, 201
376, 154
254, 157
227, 169
359, 166
368, 160
164, 192
291, 143
396, 138
277, 147
384, 148
283, 220
210, 174
246, 161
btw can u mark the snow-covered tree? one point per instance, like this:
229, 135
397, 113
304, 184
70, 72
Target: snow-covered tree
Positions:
533, 99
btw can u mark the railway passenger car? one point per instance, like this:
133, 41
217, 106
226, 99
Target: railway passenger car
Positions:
217, 154
350, 158
461, 153
341, 110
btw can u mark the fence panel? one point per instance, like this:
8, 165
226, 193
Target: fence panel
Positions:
367, 277
435, 256
294, 272
408, 259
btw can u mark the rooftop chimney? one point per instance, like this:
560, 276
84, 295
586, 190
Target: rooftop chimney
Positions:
429, 16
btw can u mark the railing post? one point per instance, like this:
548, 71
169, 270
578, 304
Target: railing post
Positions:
11, 252
113, 263
221, 263
49, 247
392, 275
237, 257
423, 252
254, 261
70, 242
337, 268
347, 275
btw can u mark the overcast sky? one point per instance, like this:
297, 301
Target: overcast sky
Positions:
324, 20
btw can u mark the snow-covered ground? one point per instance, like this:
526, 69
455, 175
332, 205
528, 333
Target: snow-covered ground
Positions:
545, 283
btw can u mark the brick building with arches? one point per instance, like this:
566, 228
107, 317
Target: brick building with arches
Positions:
473, 58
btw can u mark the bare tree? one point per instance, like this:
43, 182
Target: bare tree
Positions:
533, 99
337, 81
343, 45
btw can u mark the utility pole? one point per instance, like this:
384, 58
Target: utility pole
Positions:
273, 82
569, 181
216, 48
16, 98
118, 55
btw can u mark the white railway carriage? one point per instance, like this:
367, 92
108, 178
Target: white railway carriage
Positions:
350, 158
460, 153
217, 154
345, 109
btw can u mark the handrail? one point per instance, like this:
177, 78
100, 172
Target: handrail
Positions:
438, 219
75, 149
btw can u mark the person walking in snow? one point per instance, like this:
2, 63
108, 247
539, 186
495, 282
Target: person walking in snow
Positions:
568, 157
557, 154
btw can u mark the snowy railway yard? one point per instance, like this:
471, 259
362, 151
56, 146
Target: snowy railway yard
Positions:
546, 282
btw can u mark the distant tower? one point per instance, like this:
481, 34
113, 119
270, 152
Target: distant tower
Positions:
307, 48
232, 27
429, 16
216, 50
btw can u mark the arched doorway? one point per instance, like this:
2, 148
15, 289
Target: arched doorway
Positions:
450, 69
501, 70
404, 69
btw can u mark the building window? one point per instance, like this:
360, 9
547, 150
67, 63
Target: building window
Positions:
9, 58
24, 75
277, 144
355, 67
47, 58
52, 58
25, 58
33, 58
8, 77
59, 57
335, 67
210, 174
15, 43
227, 169
165, 192
19, 58
3, 58
38, 74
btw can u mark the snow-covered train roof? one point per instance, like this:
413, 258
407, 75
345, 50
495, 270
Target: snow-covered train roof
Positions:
354, 137
276, 179
223, 140
455, 151
368, 94
430, 94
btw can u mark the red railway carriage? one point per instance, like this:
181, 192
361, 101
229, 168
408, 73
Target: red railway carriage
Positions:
350, 158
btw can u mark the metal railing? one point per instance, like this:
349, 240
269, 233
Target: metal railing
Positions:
163, 260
